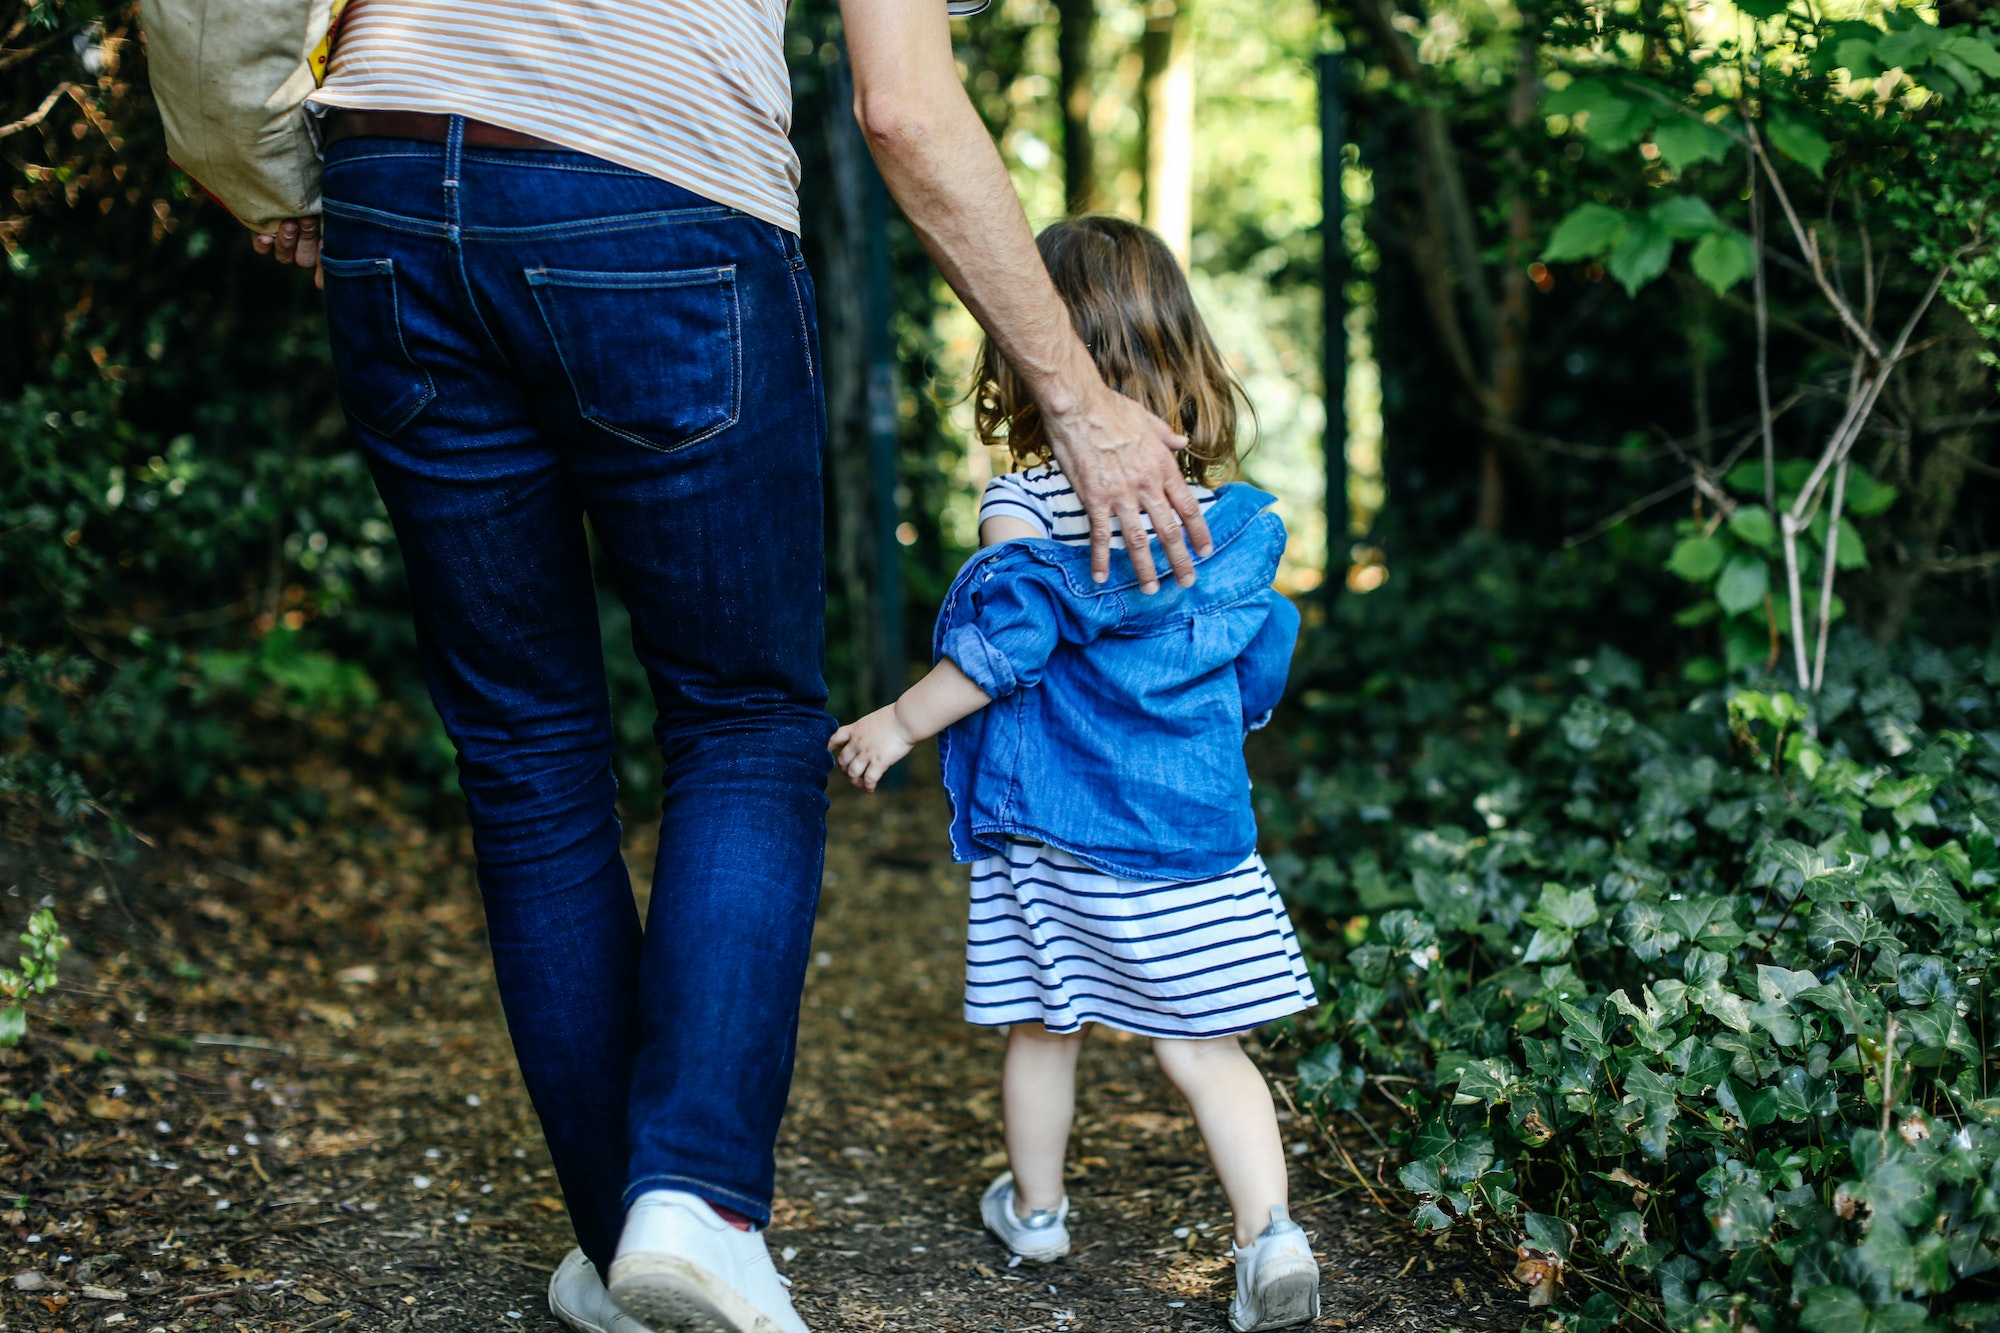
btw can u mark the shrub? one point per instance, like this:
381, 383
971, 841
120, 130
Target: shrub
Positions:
1688, 986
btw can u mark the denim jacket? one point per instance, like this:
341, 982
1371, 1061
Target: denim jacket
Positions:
1117, 723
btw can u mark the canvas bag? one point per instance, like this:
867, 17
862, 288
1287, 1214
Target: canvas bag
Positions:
231, 78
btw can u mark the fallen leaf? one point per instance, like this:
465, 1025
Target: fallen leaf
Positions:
102, 1293
336, 1016
108, 1108
362, 974
316, 1297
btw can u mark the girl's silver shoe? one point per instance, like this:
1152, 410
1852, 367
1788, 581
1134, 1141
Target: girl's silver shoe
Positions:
1277, 1279
1041, 1237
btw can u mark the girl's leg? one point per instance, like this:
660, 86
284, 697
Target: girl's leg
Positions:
1038, 1098
1232, 1107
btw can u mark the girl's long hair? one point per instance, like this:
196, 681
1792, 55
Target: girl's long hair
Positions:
1130, 303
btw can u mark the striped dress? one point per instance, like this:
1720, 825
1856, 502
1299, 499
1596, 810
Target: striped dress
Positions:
1057, 942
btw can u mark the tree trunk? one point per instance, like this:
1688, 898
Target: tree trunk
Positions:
842, 281
1079, 21
1167, 112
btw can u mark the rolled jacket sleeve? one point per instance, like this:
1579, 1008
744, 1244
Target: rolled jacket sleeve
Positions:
1012, 621
1267, 660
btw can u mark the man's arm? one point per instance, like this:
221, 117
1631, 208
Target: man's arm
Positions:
944, 171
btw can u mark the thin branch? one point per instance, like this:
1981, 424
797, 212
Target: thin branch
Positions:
1857, 417
1638, 506
1807, 245
1826, 574
39, 114
1964, 564
1788, 528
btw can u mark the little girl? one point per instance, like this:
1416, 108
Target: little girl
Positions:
1093, 749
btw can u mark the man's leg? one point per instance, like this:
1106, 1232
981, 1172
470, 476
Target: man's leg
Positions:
491, 532
723, 577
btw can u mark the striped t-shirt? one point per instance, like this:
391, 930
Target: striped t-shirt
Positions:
695, 92
1042, 498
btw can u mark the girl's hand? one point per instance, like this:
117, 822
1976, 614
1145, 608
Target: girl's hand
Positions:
867, 749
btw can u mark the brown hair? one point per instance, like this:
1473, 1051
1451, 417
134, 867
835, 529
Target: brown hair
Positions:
1130, 303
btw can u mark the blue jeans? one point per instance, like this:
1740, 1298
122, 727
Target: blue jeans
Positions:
526, 342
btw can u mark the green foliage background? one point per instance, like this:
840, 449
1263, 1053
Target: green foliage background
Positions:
1670, 976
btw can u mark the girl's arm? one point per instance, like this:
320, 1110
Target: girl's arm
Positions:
865, 750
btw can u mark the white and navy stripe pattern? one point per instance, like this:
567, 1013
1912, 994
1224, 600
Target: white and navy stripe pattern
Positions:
1055, 942
1041, 497
694, 92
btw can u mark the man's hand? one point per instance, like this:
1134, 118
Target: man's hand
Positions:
941, 165
867, 749
295, 242
1120, 459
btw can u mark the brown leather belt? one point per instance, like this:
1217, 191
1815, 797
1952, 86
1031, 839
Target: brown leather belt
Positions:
428, 127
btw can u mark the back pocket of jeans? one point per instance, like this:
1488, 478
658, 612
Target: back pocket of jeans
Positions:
654, 358
381, 384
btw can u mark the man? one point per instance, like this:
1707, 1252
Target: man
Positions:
563, 283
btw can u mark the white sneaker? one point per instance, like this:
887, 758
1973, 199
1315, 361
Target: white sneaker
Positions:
682, 1269
1041, 1237
1277, 1279
577, 1297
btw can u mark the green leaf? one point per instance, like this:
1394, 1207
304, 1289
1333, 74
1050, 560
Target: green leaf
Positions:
1697, 559
1857, 56
1752, 523
1421, 1178
1762, 9
1491, 1081
1745, 580
1685, 216
1722, 259
1848, 552
1685, 142
1548, 1234
1588, 232
1865, 495
1974, 50
1547, 945
1835, 1310
1800, 140
13, 1024
1323, 1078
1742, 1217
1801, 1097
1565, 908
1641, 255
1625, 1232
1929, 891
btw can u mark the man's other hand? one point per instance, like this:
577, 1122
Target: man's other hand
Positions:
295, 242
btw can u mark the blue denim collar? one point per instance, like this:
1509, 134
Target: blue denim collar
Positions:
1236, 506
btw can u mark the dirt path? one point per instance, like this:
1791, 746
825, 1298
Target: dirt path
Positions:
276, 1094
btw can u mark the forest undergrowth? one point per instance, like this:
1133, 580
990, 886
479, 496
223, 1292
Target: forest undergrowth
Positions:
273, 1091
